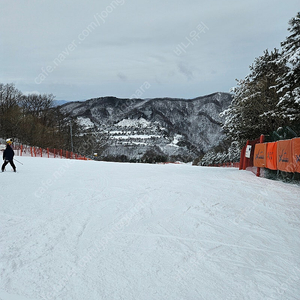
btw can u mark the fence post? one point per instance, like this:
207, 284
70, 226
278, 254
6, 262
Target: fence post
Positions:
21, 149
48, 152
261, 140
241, 164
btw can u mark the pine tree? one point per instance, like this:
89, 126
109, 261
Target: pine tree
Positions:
253, 109
289, 84
264, 74
269, 97
235, 124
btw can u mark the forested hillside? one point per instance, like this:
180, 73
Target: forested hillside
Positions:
32, 119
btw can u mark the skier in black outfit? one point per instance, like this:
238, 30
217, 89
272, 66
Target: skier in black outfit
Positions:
8, 155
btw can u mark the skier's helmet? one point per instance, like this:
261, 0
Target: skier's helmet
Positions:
9, 141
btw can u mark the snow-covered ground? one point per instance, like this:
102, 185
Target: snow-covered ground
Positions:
77, 230
134, 123
85, 122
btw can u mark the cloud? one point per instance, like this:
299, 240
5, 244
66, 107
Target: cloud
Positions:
135, 43
186, 70
122, 76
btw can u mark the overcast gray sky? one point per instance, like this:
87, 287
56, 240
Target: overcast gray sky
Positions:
152, 48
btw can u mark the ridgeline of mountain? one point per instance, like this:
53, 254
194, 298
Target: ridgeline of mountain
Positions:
168, 127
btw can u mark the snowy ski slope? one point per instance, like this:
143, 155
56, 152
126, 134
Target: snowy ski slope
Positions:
86, 230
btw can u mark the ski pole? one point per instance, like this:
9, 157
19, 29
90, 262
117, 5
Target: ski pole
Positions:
18, 162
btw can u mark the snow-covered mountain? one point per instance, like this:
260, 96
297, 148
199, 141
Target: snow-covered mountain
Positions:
62, 102
178, 128
59, 102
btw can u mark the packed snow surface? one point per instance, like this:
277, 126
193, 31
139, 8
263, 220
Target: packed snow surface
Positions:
77, 230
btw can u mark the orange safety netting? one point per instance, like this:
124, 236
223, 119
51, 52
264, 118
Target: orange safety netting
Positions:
271, 160
296, 154
259, 159
284, 156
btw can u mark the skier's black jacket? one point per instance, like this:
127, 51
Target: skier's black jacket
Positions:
8, 153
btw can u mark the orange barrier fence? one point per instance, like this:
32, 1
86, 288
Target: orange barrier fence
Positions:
296, 154
282, 155
22, 150
271, 157
260, 155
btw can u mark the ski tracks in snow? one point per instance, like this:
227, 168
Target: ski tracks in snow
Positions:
129, 231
